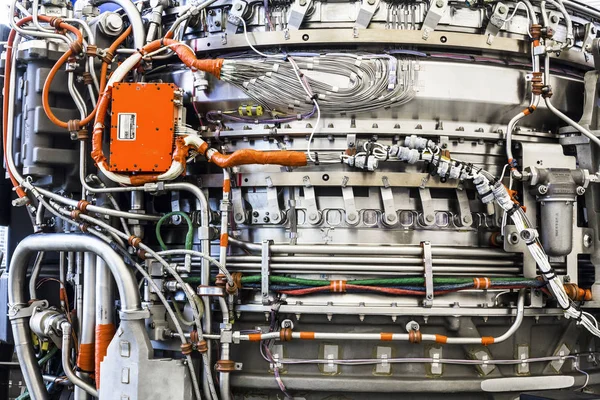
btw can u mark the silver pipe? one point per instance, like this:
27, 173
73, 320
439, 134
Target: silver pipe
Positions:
224, 384
582, 8
130, 298
105, 294
135, 19
572, 123
95, 209
202, 204
56, 379
373, 260
35, 273
66, 363
347, 268
89, 298
375, 250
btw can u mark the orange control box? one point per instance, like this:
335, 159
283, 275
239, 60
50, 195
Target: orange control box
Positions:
144, 116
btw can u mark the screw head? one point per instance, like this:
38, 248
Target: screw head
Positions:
580, 191
513, 238
390, 218
238, 6
371, 2
429, 218
239, 217
542, 189
302, 3
351, 217
554, 19
587, 240
439, 3
502, 10
313, 216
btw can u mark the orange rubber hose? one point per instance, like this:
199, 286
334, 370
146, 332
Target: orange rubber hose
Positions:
249, 156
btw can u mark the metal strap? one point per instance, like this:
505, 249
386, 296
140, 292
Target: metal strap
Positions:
264, 270
428, 264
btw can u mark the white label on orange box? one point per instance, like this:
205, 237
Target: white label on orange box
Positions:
126, 127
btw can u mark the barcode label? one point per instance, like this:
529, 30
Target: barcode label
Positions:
126, 127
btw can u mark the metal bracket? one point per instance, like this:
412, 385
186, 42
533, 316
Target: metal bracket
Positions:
390, 217
349, 203
264, 270
310, 202
297, 13
235, 14
428, 209
436, 366
562, 352
240, 214
366, 12
523, 354
273, 202
464, 217
384, 367
428, 264
134, 314
19, 311
434, 15
331, 352
496, 22
590, 34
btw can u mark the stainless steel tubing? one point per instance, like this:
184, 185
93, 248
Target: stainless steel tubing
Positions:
373, 260
17, 297
66, 363
88, 323
374, 250
276, 267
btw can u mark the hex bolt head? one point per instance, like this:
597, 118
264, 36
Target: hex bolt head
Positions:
351, 217
554, 19
502, 10
239, 217
542, 189
439, 3
390, 218
429, 218
467, 219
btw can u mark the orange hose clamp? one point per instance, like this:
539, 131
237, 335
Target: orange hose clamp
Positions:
142, 127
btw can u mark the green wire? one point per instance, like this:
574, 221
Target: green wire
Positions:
189, 237
41, 362
371, 282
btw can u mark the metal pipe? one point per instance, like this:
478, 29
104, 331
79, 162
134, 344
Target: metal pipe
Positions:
66, 363
35, 273
347, 268
135, 19
374, 250
89, 298
372, 260
582, 8
130, 298
202, 204
224, 384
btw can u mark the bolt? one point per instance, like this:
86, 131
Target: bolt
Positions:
580, 191
313, 216
255, 214
351, 217
429, 218
467, 219
439, 3
302, 3
239, 217
390, 218
587, 240
371, 2
502, 10
238, 6
554, 19
266, 219
542, 189
513, 238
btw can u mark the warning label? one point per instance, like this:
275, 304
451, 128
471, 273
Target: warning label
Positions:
126, 126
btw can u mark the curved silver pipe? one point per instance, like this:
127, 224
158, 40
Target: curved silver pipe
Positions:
66, 363
137, 25
17, 297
